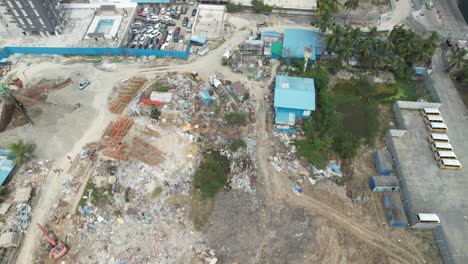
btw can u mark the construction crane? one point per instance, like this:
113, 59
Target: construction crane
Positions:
58, 248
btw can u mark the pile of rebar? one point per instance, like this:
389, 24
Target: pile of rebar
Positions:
126, 94
146, 152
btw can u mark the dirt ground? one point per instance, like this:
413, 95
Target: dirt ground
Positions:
272, 225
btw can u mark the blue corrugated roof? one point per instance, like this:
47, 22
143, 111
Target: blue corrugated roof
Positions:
6, 165
285, 118
152, 1
295, 40
295, 93
270, 34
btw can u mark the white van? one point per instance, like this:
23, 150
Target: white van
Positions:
436, 137
441, 146
433, 119
451, 164
444, 155
437, 127
430, 111
428, 218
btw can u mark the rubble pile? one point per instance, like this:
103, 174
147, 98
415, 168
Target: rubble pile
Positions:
243, 173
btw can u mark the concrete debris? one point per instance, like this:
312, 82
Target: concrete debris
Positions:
22, 195
4, 207
10, 239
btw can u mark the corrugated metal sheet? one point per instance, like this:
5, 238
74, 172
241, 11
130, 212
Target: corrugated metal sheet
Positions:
383, 162
394, 210
198, 39
295, 40
6, 165
295, 93
285, 118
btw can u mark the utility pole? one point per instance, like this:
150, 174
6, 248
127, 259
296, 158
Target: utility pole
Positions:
5, 92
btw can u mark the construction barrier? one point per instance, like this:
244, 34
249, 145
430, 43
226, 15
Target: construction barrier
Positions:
116, 51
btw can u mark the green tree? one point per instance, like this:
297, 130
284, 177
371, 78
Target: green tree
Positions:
233, 8
380, 61
386, 46
457, 60
346, 50
21, 151
345, 144
365, 49
397, 62
334, 37
260, 7
351, 5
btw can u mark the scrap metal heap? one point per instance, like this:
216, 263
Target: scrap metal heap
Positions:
126, 94
146, 152
111, 142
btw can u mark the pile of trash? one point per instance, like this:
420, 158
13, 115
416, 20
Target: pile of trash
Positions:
42, 167
19, 222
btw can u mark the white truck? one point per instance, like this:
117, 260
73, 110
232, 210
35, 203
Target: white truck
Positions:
226, 56
213, 79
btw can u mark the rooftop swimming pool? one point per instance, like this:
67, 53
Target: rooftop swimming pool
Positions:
105, 26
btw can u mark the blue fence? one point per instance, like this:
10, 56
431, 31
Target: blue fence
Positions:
7, 51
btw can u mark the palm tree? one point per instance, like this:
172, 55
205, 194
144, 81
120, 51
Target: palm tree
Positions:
351, 5
386, 46
20, 151
346, 49
365, 49
458, 60
373, 33
380, 61
434, 40
423, 55
355, 33
397, 62
324, 23
334, 37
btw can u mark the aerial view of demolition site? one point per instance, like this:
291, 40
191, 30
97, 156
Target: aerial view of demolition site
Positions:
188, 132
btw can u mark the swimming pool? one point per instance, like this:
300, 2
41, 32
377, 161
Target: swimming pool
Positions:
105, 26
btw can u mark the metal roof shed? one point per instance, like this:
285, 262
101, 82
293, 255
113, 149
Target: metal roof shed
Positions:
394, 210
295, 93
383, 161
384, 183
6, 165
295, 40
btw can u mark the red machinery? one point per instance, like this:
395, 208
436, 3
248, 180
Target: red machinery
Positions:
58, 248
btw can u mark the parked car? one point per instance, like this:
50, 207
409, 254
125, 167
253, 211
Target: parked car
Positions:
179, 10
173, 10
83, 84
175, 16
184, 10
170, 23
163, 11
177, 29
189, 27
168, 10
175, 37
194, 12
185, 22
191, 2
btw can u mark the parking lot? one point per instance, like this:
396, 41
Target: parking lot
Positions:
431, 189
162, 26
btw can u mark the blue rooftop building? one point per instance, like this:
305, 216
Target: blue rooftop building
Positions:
6, 165
294, 98
295, 40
